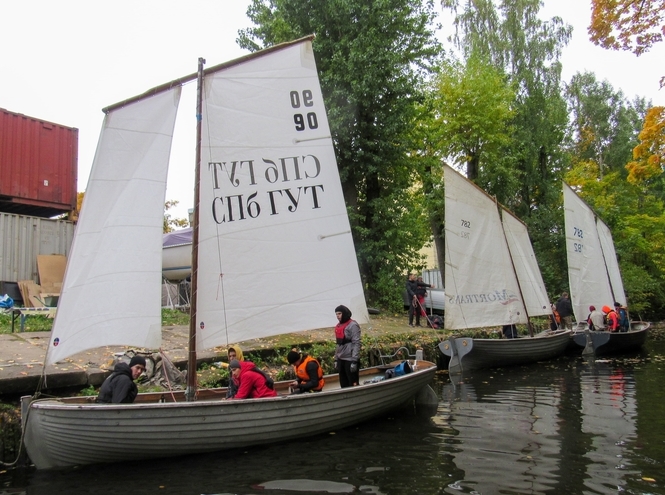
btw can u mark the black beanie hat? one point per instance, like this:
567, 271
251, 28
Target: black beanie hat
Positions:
137, 360
234, 363
292, 357
346, 313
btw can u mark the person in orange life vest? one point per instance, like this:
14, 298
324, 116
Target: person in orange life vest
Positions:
308, 372
347, 353
252, 384
612, 319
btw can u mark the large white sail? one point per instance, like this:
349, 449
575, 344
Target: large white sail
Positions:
481, 286
112, 286
611, 262
587, 275
275, 248
526, 266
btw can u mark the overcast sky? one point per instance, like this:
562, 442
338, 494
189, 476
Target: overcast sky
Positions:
63, 61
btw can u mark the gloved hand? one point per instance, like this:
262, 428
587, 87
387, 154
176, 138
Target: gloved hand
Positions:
353, 368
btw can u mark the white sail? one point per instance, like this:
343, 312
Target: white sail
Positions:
587, 275
112, 287
275, 248
611, 262
481, 286
526, 266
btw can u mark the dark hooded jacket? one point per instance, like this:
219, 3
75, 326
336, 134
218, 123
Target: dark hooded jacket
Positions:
119, 387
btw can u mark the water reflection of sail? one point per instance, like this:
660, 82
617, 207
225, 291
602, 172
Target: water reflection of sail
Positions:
609, 409
506, 432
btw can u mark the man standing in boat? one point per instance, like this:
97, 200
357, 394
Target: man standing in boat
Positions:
347, 353
119, 387
308, 372
565, 309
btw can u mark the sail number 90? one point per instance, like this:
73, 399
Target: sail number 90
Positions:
303, 121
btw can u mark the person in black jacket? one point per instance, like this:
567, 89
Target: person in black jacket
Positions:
119, 387
565, 309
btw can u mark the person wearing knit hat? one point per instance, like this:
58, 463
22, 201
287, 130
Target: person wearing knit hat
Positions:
119, 387
347, 352
612, 319
309, 375
234, 353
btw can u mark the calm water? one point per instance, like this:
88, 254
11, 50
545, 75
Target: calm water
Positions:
563, 427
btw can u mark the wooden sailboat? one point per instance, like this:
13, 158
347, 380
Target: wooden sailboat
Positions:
492, 279
594, 277
272, 254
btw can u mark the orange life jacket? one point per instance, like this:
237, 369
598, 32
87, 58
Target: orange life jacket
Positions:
301, 372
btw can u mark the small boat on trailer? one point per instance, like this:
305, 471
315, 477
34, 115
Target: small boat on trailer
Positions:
492, 278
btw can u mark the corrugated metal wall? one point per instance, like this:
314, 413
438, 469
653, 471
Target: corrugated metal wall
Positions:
38, 166
22, 238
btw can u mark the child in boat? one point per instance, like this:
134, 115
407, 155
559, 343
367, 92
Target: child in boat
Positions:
252, 382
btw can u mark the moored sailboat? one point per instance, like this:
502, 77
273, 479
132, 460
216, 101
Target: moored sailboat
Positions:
492, 278
272, 254
594, 277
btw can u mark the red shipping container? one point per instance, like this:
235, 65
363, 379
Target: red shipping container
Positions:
38, 166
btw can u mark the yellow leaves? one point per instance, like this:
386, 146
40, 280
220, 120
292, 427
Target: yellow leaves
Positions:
627, 24
649, 155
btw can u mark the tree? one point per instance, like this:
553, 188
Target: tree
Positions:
604, 125
515, 39
170, 223
633, 25
371, 58
649, 154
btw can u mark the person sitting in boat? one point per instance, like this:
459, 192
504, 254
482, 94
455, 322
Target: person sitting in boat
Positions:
612, 319
347, 353
234, 352
622, 312
510, 331
308, 372
252, 383
119, 387
596, 319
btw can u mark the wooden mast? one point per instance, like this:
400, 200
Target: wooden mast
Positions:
190, 392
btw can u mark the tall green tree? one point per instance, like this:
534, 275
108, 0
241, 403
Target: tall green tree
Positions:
604, 125
372, 58
515, 39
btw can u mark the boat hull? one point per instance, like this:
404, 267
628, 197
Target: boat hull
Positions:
61, 433
177, 262
469, 354
602, 343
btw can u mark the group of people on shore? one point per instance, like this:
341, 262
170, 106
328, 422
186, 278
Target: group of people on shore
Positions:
606, 318
246, 380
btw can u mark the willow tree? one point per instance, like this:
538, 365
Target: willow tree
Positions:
372, 58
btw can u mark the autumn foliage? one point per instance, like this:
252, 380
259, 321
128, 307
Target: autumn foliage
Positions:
649, 155
633, 25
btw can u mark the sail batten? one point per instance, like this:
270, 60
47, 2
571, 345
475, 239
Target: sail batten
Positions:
112, 286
